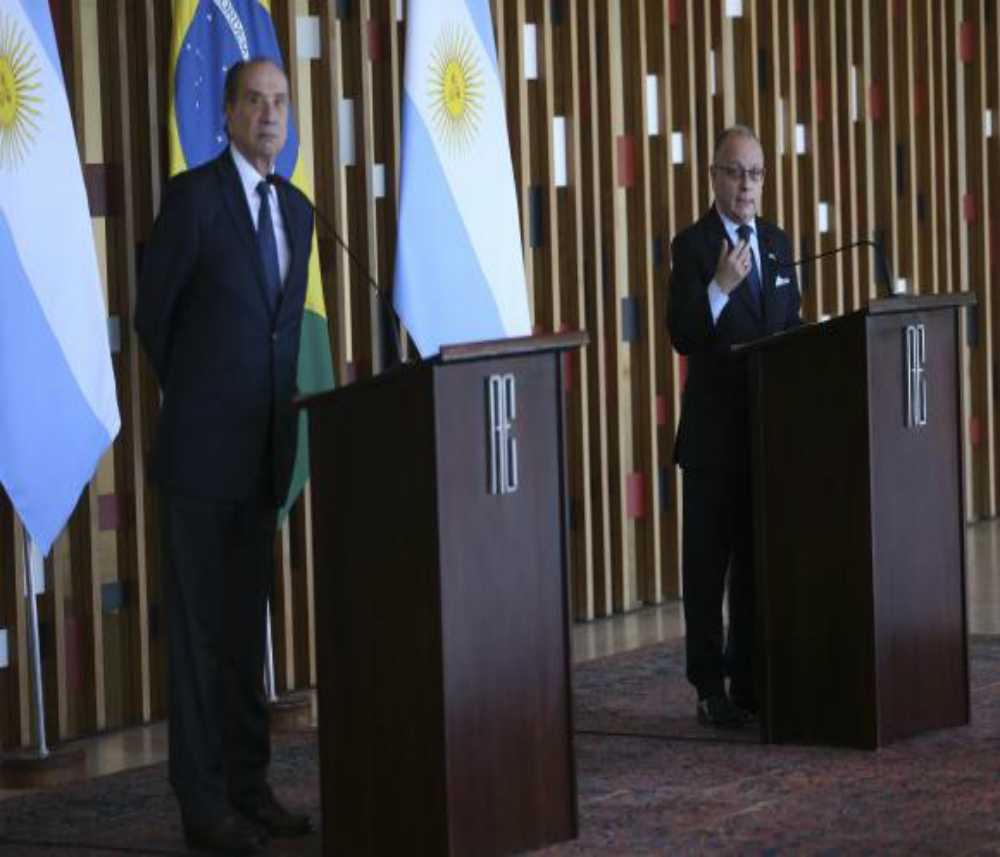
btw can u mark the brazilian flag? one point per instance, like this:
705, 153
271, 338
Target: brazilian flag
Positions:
209, 37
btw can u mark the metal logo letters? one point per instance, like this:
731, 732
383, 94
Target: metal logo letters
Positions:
915, 355
502, 405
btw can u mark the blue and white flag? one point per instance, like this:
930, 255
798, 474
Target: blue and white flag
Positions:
58, 411
459, 265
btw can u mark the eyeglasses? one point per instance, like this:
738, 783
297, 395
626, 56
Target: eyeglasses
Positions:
737, 174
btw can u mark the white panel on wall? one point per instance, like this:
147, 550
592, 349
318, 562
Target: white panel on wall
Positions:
399, 10
348, 156
800, 139
378, 181
530, 52
652, 105
823, 217
559, 151
734, 8
900, 286
307, 37
988, 123
677, 147
4, 654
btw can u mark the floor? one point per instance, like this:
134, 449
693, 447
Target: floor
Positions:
147, 745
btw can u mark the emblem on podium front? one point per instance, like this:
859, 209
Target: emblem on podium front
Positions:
501, 394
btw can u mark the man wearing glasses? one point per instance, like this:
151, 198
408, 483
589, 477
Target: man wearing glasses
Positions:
729, 283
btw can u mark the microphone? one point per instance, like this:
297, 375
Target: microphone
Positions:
394, 323
861, 242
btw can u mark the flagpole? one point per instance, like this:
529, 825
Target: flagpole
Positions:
33, 562
40, 766
292, 712
269, 683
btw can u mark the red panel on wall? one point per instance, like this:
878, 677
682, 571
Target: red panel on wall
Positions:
635, 506
969, 207
567, 371
966, 41
109, 512
56, 8
626, 160
875, 101
375, 41
661, 410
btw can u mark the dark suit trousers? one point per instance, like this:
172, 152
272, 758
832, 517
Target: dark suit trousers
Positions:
718, 542
218, 573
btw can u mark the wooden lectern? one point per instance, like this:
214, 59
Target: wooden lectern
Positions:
858, 479
442, 605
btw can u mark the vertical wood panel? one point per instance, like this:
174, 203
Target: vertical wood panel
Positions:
891, 98
595, 281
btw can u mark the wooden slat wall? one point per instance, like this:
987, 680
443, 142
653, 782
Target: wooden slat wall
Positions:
876, 118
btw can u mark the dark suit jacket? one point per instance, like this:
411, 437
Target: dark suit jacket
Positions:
225, 359
714, 426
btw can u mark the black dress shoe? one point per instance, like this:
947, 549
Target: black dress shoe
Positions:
228, 834
277, 821
716, 710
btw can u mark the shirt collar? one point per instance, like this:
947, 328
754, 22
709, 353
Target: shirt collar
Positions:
731, 225
248, 173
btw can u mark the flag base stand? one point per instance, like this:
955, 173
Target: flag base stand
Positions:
26, 769
291, 713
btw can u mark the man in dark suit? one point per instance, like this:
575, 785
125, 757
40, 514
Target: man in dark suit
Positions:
729, 284
219, 313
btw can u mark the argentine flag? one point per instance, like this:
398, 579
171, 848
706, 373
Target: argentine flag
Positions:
459, 265
58, 411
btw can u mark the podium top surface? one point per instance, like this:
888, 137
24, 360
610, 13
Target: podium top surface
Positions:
916, 303
513, 346
454, 354
879, 307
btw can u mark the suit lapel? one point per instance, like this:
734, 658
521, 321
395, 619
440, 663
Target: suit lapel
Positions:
299, 243
768, 270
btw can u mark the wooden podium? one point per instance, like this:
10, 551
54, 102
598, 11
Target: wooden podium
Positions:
860, 556
442, 605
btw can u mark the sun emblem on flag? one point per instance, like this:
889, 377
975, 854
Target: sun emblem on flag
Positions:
20, 98
457, 89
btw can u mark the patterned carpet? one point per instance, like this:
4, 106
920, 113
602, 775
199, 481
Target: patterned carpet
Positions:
651, 781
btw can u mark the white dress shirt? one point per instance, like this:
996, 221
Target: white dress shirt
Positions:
251, 178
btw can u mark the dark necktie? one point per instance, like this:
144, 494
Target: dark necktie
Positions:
753, 278
268, 245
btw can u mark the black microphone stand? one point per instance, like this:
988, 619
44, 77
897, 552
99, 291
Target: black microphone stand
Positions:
386, 305
861, 242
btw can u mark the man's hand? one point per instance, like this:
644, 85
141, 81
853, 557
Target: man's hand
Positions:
734, 265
